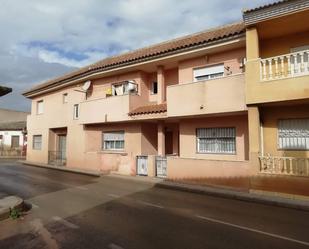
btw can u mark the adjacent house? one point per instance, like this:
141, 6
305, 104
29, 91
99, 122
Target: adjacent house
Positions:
13, 132
229, 102
277, 87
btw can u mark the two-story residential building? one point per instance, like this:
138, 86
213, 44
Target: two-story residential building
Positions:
277, 87
174, 109
224, 104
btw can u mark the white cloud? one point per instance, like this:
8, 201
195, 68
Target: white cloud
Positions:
77, 32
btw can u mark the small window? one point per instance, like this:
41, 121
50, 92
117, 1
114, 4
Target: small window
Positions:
216, 140
65, 98
154, 87
113, 140
14, 142
293, 134
124, 88
210, 72
76, 111
37, 142
40, 107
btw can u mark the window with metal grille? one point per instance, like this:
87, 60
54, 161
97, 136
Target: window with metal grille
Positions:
216, 140
37, 142
293, 134
113, 140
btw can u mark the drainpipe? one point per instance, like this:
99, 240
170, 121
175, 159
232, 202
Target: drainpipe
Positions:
262, 139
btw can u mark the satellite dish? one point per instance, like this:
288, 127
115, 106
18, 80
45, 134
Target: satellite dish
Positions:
86, 85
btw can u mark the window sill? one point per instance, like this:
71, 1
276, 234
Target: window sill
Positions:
117, 152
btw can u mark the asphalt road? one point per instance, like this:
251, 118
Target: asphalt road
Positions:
76, 211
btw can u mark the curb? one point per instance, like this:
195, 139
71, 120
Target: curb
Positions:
70, 170
230, 194
8, 203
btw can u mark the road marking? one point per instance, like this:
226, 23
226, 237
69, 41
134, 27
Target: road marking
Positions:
82, 188
65, 222
113, 195
114, 246
34, 206
253, 230
150, 204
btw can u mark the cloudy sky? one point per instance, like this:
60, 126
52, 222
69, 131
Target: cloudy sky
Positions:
41, 39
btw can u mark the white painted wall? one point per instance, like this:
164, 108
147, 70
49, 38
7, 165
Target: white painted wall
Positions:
7, 138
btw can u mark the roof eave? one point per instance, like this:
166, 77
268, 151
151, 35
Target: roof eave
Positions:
72, 80
275, 10
4, 90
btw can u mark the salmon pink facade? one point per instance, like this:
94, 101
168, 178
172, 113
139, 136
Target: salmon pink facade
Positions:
130, 119
204, 106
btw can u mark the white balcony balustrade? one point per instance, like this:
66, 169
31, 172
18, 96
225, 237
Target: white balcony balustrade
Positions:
285, 66
291, 166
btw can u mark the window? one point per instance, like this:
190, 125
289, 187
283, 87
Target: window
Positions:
65, 98
216, 140
37, 142
15, 142
154, 87
210, 72
113, 140
76, 111
293, 134
124, 88
39, 107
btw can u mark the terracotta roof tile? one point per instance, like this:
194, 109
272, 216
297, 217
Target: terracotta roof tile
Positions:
149, 109
148, 52
265, 6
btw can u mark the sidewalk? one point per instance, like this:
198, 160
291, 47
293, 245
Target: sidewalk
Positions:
61, 168
267, 198
263, 197
8, 203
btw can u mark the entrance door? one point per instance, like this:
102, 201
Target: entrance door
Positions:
161, 166
62, 141
168, 142
142, 165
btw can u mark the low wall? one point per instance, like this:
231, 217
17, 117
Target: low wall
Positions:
185, 168
120, 163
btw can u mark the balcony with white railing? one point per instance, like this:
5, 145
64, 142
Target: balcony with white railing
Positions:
290, 166
285, 66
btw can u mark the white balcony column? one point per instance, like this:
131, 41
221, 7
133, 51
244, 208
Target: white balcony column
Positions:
161, 84
161, 138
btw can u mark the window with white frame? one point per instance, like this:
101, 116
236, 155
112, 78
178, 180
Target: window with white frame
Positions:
209, 72
113, 140
37, 142
154, 87
65, 98
76, 111
40, 107
293, 134
216, 140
